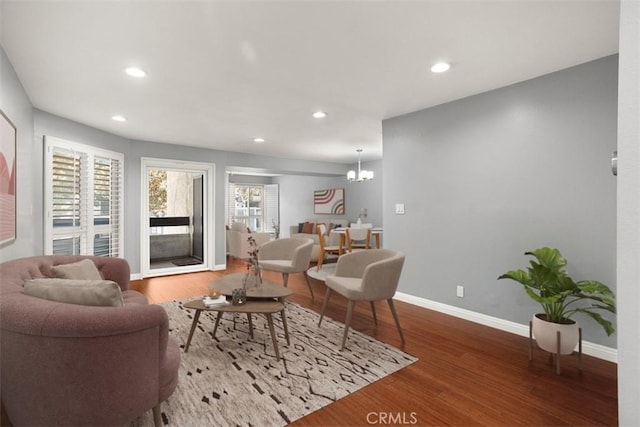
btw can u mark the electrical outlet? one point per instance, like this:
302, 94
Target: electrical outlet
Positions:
460, 291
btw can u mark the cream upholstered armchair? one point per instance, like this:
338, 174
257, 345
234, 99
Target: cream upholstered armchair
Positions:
238, 243
371, 275
286, 256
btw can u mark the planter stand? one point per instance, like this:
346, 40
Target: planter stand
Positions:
557, 354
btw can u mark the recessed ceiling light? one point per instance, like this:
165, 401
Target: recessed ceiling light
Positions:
135, 72
258, 140
319, 114
440, 67
119, 118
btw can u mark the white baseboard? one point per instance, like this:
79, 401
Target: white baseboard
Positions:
219, 267
592, 349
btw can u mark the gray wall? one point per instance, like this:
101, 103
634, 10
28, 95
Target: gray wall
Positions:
296, 196
488, 177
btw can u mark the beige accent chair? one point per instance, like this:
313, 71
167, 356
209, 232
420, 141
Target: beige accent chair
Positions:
237, 239
324, 248
371, 275
286, 256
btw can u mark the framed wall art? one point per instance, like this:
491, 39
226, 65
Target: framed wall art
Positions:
7, 180
329, 201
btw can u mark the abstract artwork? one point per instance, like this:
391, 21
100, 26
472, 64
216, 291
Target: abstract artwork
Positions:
329, 201
7, 180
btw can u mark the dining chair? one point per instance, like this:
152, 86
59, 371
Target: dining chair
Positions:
321, 229
358, 237
371, 275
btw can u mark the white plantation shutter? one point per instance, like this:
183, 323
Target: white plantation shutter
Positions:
271, 207
83, 199
231, 203
106, 206
67, 214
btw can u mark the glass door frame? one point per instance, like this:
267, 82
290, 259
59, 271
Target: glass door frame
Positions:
208, 175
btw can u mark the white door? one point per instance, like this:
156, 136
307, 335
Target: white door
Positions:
168, 225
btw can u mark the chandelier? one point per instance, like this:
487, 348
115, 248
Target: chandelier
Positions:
361, 175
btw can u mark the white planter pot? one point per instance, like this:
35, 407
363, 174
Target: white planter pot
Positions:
546, 335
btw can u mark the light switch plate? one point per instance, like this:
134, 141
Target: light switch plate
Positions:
399, 208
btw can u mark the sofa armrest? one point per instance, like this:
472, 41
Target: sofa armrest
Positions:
116, 269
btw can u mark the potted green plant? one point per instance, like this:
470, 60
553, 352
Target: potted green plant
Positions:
546, 281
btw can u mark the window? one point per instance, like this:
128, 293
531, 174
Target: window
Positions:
83, 199
254, 205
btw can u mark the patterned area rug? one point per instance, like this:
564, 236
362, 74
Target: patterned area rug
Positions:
235, 380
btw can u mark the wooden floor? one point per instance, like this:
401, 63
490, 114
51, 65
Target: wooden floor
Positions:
467, 374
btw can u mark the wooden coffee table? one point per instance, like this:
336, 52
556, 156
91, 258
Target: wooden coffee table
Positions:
267, 298
267, 290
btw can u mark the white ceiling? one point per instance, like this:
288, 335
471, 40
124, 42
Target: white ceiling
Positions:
223, 72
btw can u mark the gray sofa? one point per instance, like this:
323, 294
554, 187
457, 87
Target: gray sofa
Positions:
72, 364
332, 239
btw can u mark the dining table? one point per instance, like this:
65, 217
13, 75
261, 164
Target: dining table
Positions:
342, 232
